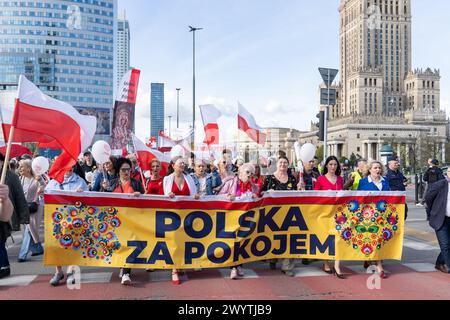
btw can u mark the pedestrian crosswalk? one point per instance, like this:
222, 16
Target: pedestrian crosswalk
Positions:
263, 271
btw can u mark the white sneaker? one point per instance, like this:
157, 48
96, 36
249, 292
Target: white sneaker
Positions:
234, 274
240, 272
126, 281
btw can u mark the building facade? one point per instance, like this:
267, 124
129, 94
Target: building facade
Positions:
64, 47
123, 49
278, 139
380, 98
157, 109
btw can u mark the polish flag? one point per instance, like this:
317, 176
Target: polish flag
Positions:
210, 115
40, 118
165, 143
145, 155
247, 123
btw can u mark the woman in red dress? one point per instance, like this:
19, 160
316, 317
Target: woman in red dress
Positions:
331, 180
179, 184
154, 185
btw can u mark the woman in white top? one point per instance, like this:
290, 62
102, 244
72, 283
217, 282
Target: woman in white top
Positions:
179, 184
32, 186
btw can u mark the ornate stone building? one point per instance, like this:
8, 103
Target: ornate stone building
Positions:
381, 99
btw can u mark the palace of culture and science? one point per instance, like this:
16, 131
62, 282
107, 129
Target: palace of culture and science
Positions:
381, 99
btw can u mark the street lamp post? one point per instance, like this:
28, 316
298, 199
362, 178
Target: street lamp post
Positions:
193, 30
170, 126
178, 108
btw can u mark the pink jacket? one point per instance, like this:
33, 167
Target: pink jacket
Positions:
229, 186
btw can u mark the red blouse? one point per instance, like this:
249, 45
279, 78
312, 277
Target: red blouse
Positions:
244, 188
323, 184
155, 187
176, 191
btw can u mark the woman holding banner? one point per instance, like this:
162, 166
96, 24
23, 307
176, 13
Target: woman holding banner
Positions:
228, 177
103, 180
281, 180
177, 183
72, 182
331, 180
125, 184
154, 185
374, 181
203, 181
245, 189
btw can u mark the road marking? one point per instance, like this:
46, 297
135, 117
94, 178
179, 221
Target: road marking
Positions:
304, 272
165, 275
104, 277
359, 269
19, 281
421, 267
420, 246
248, 274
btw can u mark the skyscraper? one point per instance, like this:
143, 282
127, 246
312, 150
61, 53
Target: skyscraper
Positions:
123, 48
64, 47
381, 101
157, 109
375, 39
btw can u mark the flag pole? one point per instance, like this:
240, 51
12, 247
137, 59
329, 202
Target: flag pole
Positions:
7, 156
142, 172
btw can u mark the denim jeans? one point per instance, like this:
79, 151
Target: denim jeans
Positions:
443, 236
4, 262
28, 244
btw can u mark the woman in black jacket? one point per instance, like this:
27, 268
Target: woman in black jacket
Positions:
125, 184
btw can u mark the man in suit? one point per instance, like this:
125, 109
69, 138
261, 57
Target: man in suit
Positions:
437, 199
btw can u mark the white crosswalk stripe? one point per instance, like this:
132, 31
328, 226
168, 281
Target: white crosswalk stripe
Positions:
420, 246
17, 281
96, 277
303, 272
165, 276
248, 273
421, 267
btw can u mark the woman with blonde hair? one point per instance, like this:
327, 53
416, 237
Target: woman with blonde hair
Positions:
243, 187
178, 184
374, 181
154, 184
31, 187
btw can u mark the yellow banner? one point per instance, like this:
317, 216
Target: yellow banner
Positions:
109, 230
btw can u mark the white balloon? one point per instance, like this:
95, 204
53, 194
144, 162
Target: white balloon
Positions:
177, 151
297, 148
90, 177
40, 165
101, 151
308, 152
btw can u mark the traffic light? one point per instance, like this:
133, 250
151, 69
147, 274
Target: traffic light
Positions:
321, 133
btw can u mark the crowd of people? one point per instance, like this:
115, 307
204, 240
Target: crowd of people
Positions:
197, 178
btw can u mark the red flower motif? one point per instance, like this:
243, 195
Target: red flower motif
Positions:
367, 249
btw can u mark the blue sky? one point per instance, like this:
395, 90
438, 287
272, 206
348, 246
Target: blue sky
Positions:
263, 53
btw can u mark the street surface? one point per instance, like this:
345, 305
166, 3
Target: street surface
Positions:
412, 278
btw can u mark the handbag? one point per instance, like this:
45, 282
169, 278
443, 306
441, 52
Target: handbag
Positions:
33, 207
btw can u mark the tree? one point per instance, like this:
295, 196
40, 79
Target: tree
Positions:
319, 153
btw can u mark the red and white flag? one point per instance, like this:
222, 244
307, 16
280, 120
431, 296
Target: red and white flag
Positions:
145, 155
247, 123
40, 118
210, 116
165, 143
